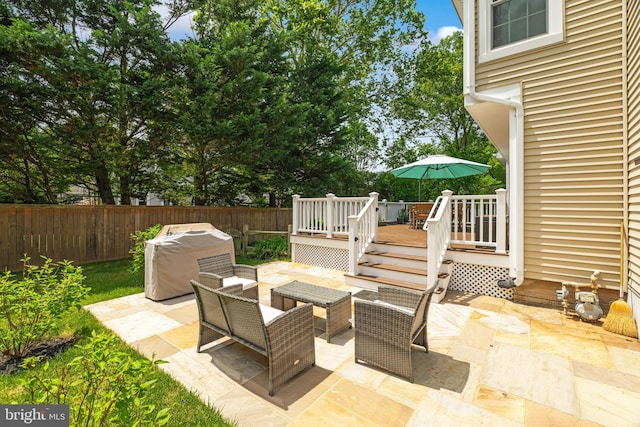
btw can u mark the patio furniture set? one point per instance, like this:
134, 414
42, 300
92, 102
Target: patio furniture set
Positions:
385, 329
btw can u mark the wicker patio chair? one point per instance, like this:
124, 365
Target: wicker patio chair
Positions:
385, 329
218, 271
286, 338
213, 324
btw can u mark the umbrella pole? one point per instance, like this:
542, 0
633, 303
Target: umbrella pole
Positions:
419, 189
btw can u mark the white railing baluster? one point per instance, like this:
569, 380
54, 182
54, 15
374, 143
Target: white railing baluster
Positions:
439, 225
479, 220
330, 215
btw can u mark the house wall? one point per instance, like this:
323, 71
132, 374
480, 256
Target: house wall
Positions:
572, 93
633, 100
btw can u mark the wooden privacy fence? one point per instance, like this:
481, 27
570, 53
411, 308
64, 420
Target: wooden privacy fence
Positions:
85, 234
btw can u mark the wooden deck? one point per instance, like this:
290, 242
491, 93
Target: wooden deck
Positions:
404, 235
401, 234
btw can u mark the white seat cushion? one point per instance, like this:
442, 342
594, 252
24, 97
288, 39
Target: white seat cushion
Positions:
269, 313
234, 280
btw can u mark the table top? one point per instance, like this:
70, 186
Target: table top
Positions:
307, 292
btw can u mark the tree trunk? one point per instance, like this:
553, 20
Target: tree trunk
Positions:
104, 186
199, 190
125, 190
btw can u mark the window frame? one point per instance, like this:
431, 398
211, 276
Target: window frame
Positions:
555, 32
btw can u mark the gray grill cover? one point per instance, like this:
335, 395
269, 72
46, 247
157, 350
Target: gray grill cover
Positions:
170, 259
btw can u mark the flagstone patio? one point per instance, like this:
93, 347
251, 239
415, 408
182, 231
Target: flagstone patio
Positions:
491, 362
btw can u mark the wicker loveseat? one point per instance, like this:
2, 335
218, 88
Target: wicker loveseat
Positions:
385, 329
218, 271
286, 338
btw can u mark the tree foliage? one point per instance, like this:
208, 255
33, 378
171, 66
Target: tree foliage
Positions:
432, 119
96, 73
267, 99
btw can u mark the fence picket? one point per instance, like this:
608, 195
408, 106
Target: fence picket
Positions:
85, 234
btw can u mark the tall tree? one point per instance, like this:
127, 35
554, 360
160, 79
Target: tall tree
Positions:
432, 118
232, 100
369, 42
257, 122
29, 164
103, 89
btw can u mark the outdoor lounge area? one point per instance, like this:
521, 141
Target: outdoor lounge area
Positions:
490, 362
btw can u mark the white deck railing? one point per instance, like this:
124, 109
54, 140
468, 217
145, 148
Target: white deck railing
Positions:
480, 220
438, 236
477, 220
325, 215
363, 229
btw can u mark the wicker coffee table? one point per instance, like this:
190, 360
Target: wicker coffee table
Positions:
336, 302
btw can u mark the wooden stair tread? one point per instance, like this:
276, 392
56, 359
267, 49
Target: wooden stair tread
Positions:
412, 245
398, 256
399, 269
392, 282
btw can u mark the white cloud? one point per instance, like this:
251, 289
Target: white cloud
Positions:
443, 32
180, 29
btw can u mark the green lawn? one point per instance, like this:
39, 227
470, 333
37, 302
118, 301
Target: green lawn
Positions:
109, 280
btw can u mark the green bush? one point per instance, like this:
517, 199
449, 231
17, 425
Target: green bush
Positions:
277, 248
137, 251
105, 386
30, 307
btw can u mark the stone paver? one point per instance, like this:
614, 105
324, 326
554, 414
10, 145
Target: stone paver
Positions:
491, 363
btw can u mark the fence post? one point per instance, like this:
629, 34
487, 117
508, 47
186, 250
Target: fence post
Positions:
245, 239
294, 213
501, 221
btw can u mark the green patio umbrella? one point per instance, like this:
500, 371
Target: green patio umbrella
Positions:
439, 166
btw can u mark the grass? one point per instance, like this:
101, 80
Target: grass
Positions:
109, 280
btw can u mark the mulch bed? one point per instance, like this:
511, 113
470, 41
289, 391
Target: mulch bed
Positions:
47, 349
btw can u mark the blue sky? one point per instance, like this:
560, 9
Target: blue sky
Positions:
440, 16
441, 19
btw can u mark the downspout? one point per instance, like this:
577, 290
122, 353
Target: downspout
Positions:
516, 149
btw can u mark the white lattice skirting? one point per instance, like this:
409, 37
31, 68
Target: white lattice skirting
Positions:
333, 258
480, 279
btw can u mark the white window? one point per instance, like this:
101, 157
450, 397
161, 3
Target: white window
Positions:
515, 20
508, 27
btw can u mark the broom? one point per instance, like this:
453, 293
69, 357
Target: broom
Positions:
620, 319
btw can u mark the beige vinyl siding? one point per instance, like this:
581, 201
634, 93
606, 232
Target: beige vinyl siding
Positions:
573, 144
633, 99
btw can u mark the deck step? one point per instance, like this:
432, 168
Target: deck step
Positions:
409, 245
395, 268
406, 267
372, 282
398, 256
390, 248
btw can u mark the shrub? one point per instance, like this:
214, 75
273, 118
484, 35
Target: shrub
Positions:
30, 307
276, 248
137, 251
103, 386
